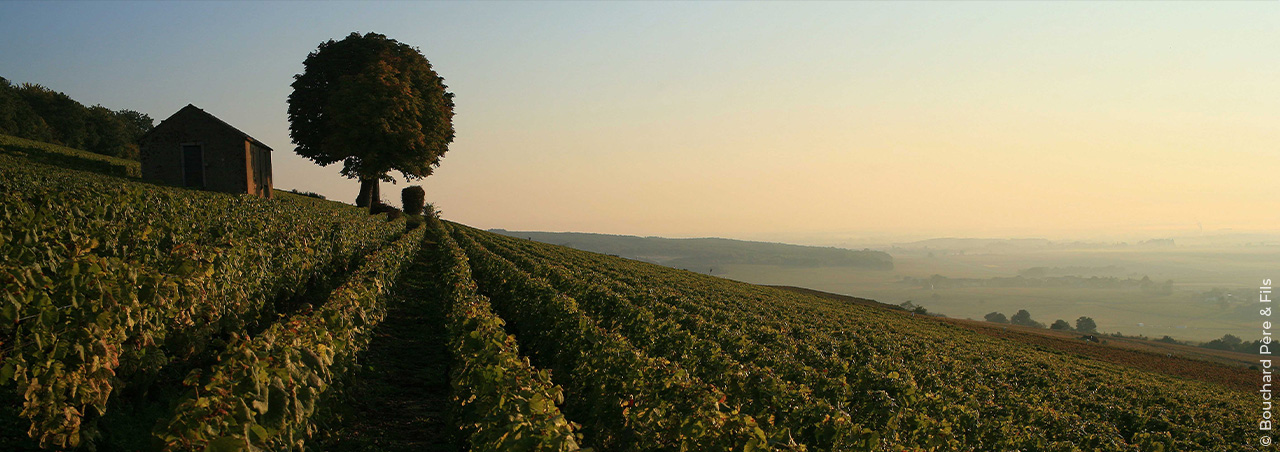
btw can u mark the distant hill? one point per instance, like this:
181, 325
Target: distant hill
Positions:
705, 253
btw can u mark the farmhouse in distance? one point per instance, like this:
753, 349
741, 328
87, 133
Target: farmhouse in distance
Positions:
195, 149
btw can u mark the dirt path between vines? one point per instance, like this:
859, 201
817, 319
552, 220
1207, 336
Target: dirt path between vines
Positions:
399, 401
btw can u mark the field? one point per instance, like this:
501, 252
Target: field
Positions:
1189, 313
1227, 368
901, 381
123, 299
141, 317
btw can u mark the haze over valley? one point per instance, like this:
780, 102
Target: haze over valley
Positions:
1195, 288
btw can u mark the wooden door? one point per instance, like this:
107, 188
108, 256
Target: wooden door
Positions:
193, 165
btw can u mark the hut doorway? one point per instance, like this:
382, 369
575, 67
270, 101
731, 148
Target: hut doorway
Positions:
193, 165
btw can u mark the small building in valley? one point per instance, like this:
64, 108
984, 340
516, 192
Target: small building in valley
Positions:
194, 149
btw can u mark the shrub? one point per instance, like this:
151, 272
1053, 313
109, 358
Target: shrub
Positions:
413, 198
392, 212
308, 194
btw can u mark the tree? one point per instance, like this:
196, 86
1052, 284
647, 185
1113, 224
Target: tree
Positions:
1227, 342
39, 113
996, 317
374, 104
1024, 318
66, 117
1060, 325
1086, 325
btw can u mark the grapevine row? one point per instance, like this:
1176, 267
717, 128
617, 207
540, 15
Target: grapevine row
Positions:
104, 279
872, 397
504, 402
261, 394
626, 399
756, 386
951, 389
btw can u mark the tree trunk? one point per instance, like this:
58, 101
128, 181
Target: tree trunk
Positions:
369, 193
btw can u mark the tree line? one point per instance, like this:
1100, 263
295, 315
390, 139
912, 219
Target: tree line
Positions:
1228, 342
1022, 317
38, 113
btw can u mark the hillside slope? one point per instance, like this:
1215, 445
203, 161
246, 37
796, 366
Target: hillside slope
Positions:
142, 317
703, 254
831, 375
128, 305
1230, 369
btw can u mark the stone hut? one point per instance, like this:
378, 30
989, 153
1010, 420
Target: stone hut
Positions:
194, 149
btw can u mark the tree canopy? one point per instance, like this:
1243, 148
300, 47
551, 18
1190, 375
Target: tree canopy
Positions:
1022, 317
38, 113
375, 105
1086, 324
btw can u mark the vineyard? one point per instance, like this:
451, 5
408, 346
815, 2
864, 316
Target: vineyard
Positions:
140, 317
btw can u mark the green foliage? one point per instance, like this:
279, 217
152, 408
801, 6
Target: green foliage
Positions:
263, 391
1022, 317
660, 330
1232, 343
907, 384
106, 280
704, 253
413, 198
383, 208
996, 317
1060, 325
503, 402
1086, 325
635, 401
67, 157
38, 113
307, 194
374, 104
913, 308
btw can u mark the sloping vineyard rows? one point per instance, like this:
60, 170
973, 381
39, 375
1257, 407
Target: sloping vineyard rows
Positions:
625, 399
754, 385
946, 389
867, 393
263, 391
870, 394
503, 402
106, 279
66, 157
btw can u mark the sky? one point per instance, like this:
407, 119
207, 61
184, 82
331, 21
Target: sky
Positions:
801, 122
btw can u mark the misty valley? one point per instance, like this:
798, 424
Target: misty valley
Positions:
1193, 289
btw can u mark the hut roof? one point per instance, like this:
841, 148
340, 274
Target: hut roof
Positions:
194, 109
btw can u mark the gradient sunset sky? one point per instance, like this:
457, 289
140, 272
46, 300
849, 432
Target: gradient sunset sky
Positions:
801, 122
